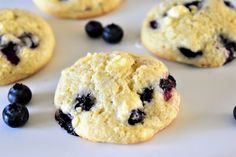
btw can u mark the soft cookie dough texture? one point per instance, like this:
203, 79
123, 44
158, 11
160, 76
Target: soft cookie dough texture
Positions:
77, 8
26, 44
128, 105
196, 32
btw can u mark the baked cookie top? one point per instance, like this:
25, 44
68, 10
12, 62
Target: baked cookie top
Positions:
26, 44
196, 32
116, 97
77, 8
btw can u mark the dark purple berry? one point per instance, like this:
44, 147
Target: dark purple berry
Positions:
190, 54
64, 120
230, 46
197, 4
19, 94
94, 29
112, 33
29, 40
229, 4
136, 116
147, 95
10, 51
86, 102
154, 24
167, 85
15, 115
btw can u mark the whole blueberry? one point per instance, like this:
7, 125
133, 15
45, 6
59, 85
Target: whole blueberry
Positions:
20, 94
234, 112
94, 29
136, 116
15, 115
112, 33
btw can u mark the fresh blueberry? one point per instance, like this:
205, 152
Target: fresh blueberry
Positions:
20, 94
229, 4
94, 29
29, 40
64, 120
136, 116
112, 33
190, 54
10, 50
15, 115
234, 112
154, 24
147, 94
86, 102
197, 4
229, 45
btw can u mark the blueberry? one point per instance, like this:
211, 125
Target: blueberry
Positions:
136, 116
20, 94
190, 54
64, 120
15, 115
10, 51
147, 94
167, 84
229, 4
86, 102
230, 46
154, 24
112, 33
29, 40
234, 112
197, 4
94, 29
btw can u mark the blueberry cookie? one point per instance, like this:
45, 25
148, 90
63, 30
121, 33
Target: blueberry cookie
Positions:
116, 97
77, 8
196, 32
26, 44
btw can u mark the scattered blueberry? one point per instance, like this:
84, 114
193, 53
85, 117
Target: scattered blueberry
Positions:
167, 85
112, 33
15, 115
20, 94
229, 4
136, 116
197, 4
10, 51
190, 54
234, 112
230, 46
147, 94
64, 120
29, 40
86, 102
94, 29
154, 24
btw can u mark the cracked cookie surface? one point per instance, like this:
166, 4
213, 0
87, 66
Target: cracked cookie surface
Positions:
195, 32
117, 97
77, 8
26, 44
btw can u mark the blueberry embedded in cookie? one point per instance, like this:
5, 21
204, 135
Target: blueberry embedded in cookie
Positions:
25, 50
116, 97
195, 32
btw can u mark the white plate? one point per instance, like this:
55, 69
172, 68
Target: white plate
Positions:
205, 126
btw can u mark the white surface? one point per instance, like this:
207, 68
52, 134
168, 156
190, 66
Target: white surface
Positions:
205, 126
